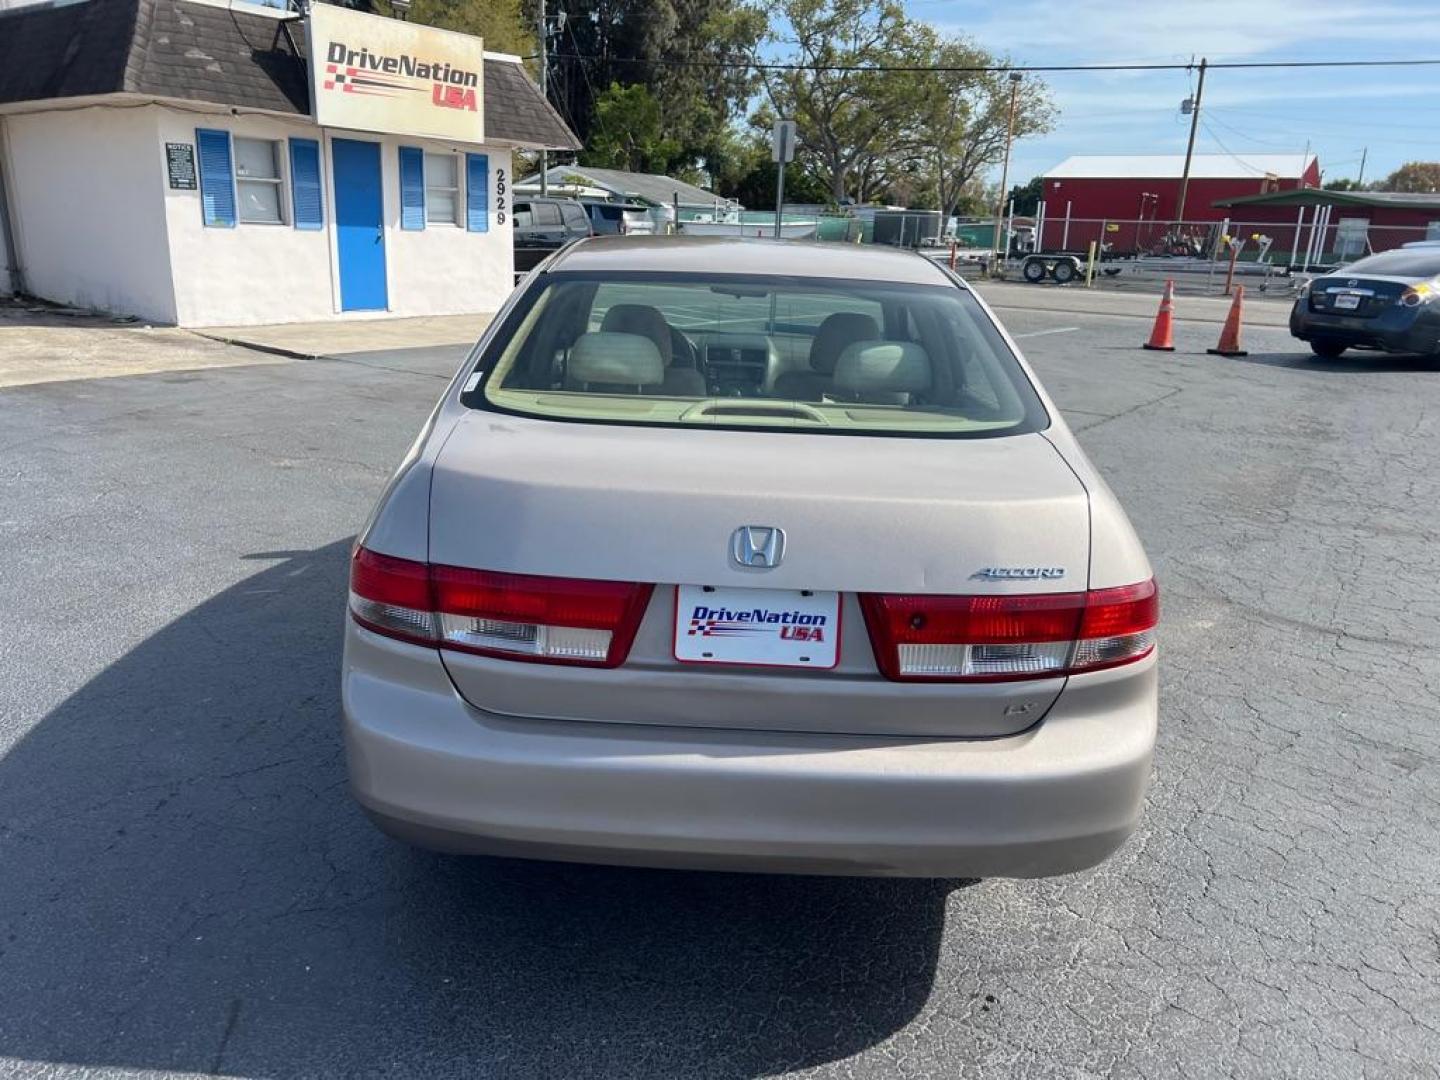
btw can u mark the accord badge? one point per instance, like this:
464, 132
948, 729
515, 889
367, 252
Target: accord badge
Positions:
1018, 573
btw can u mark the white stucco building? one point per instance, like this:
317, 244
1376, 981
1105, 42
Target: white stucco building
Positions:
159, 158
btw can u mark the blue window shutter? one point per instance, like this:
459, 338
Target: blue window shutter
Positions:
477, 192
412, 188
305, 192
217, 178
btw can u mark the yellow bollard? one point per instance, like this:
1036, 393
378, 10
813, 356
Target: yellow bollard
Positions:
1090, 265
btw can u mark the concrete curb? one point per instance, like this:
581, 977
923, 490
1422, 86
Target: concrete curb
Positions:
255, 346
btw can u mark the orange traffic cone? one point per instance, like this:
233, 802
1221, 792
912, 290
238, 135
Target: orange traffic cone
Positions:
1162, 337
1230, 334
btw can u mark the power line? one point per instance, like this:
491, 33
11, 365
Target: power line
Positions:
1212, 118
755, 65
1230, 153
1310, 120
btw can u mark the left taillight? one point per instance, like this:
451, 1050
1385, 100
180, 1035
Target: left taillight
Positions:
512, 616
919, 637
392, 596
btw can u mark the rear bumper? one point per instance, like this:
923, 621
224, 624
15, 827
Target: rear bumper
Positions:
1400, 330
437, 772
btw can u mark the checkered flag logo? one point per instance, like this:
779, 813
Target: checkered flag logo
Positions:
334, 77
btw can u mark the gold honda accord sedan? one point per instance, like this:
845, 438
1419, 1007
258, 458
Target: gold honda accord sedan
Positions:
751, 555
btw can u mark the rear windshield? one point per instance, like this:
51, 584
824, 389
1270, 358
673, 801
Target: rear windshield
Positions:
1398, 263
791, 354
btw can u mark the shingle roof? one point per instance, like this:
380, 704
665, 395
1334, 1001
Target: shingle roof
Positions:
1171, 166
198, 52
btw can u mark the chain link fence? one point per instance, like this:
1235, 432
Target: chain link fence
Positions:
1316, 239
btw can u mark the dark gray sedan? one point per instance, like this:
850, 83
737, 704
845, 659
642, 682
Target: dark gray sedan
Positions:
1389, 301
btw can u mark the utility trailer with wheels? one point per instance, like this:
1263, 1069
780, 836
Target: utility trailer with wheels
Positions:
1065, 266
1061, 266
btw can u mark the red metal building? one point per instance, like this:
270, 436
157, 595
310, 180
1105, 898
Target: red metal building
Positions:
1131, 200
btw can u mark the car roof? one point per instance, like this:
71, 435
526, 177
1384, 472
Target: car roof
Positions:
733, 255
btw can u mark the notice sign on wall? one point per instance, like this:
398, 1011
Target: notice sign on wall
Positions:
374, 74
180, 165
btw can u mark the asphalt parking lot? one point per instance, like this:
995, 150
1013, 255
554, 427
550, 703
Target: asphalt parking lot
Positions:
185, 887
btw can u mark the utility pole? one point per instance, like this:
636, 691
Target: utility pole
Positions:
1360, 180
1190, 146
1015, 78
544, 81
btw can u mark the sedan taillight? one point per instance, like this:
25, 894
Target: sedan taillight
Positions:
999, 638
1416, 295
515, 616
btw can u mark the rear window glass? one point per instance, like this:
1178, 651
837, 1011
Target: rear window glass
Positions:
1398, 263
792, 354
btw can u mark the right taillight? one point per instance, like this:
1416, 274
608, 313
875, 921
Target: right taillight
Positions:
1001, 638
514, 616
1416, 295
1118, 626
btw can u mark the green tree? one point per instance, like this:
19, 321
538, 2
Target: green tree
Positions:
753, 184
701, 103
1414, 176
1027, 196
627, 42
965, 117
1343, 184
629, 133
499, 22
852, 123
909, 131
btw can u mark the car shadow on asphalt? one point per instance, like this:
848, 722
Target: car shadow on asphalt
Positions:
186, 885
1350, 363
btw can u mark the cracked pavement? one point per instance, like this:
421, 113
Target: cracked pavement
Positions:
185, 887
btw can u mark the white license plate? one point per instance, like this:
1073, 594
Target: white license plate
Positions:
762, 627
1346, 302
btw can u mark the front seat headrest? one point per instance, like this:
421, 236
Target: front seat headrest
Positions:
837, 331
608, 359
869, 368
644, 320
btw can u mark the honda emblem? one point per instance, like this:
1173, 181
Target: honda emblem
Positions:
757, 547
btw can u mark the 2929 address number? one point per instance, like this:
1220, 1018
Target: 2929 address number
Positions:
499, 196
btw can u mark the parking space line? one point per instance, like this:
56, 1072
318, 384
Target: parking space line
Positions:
1042, 333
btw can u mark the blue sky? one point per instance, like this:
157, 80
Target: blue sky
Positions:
1391, 110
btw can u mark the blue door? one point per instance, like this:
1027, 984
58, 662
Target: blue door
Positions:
360, 224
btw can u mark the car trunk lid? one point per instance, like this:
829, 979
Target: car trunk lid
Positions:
1357, 297
661, 506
